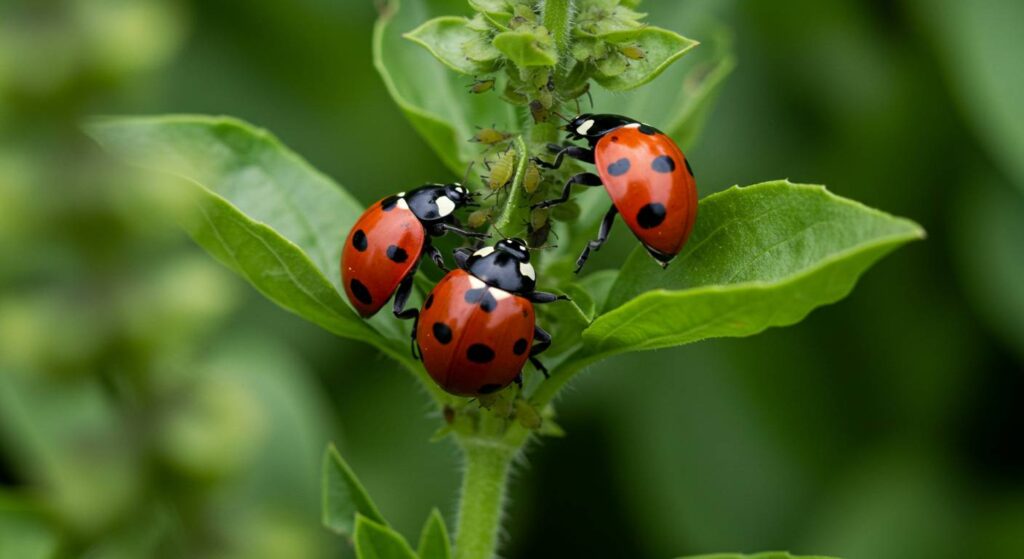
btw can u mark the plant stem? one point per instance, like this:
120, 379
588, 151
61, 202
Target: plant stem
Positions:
556, 18
483, 496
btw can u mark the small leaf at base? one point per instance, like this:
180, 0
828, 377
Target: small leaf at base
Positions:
344, 497
434, 541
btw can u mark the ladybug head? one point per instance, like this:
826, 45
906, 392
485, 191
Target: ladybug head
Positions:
458, 194
516, 248
594, 126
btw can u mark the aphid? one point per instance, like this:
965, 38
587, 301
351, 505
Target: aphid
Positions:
646, 175
539, 112
478, 218
633, 52
477, 328
531, 178
490, 136
481, 86
386, 243
502, 169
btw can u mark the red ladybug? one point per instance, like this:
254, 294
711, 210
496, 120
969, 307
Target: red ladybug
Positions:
476, 329
645, 173
386, 243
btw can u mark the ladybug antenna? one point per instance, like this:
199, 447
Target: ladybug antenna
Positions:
590, 97
499, 231
544, 246
577, 99
468, 169
561, 116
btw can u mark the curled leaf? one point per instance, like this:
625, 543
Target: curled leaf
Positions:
452, 41
660, 48
526, 48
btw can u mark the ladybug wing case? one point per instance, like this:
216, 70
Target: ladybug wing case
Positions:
651, 185
474, 339
384, 245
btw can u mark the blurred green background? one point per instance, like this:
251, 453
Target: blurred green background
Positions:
152, 405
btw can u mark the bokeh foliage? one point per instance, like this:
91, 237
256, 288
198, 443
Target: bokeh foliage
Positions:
886, 426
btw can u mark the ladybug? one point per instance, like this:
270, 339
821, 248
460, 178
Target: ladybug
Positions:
646, 174
477, 327
386, 244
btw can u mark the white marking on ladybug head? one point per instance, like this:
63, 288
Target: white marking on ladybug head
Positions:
400, 194
484, 252
459, 189
445, 206
499, 294
526, 269
401, 203
585, 127
632, 125
475, 282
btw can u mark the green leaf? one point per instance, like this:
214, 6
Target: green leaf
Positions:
260, 209
433, 98
377, 541
24, 531
526, 49
496, 11
765, 555
661, 48
760, 256
598, 285
434, 541
344, 497
449, 38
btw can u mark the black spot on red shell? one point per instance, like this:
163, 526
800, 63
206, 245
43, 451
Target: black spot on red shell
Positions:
359, 240
615, 139
520, 346
442, 332
688, 168
646, 129
525, 314
397, 254
480, 353
483, 297
651, 215
361, 293
618, 168
430, 301
488, 389
663, 164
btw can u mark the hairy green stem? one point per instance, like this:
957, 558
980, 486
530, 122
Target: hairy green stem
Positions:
557, 14
488, 462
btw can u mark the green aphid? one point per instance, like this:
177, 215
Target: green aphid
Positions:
633, 52
479, 218
490, 136
539, 218
502, 169
481, 86
531, 178
539, 112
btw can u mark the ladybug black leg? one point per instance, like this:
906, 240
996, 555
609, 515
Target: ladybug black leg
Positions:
461, 256
402, 297
541, 297
583, 154
460, 231
585, 179
542, 341
602, 236
435, 255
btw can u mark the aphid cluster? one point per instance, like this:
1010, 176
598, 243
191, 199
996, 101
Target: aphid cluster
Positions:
477, 327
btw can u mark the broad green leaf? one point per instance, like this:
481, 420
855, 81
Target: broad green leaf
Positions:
260, 209
765, 555
434, 541
660, 47
448, 39
598, 285
24, 531
344, 496
761, 256
431, 96
526, 49
377, 541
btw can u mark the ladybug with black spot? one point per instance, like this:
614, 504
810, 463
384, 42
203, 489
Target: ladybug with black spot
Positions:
387, 242
477, 328
646, 174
